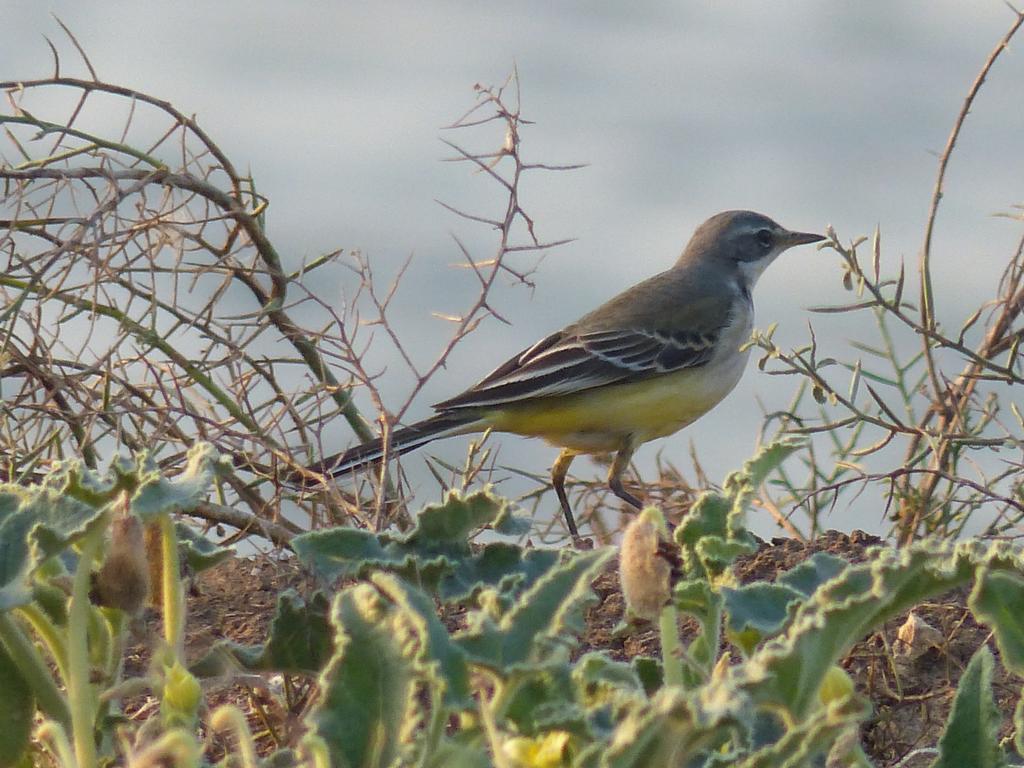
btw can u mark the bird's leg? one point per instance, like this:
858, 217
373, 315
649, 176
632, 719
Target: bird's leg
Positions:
558, 472
619, 466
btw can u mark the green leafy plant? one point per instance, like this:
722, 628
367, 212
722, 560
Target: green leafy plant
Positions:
60, 652
434, 651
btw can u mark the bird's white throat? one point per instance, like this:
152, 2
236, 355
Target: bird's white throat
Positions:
750, 271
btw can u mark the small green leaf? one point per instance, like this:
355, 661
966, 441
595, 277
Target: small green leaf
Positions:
716, 555
35, 525
597, 670
696, 598
299, 640
972, 731
53, 601
454, 521
41, 521
672, 729
809, 741
200, 553
713, 534
603, 687
509, 524
758, 611
542, 700
649, 672
708, 518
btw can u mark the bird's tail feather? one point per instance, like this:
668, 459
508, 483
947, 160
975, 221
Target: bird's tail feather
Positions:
402, 441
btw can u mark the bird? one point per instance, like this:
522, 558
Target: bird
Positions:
643, 365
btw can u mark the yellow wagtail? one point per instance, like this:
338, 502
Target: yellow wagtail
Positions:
643, 365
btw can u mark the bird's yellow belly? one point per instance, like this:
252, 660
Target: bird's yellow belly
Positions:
607, 418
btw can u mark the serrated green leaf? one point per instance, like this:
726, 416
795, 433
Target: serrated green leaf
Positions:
439, 659
35, 524
971, 736
157, 495
335, 553
717, 554
602, 689
709, 516
509, 524
708, 519
41, 521
455, 520
996, 601
15, 525
713, 534
17, 709
53, 601
546, 617
812, 573
508, 568
542, 699
435, 555
757, 469
366, 691
810, 740
597, 670
788, 670
300, 640
696, 598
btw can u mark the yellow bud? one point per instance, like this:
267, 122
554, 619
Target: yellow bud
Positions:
836, 686
547, 751
181, 695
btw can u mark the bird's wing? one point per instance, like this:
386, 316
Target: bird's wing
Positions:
583, 357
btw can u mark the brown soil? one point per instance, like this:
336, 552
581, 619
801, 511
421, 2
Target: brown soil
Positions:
911, 702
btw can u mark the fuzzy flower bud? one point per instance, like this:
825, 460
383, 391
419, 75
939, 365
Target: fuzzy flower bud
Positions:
644, 571
123, 580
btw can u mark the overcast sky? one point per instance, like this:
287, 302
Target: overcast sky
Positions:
812, 112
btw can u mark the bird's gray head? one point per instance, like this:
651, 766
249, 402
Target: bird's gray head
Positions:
742, 242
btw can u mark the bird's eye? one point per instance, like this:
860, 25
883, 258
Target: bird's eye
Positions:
765, 238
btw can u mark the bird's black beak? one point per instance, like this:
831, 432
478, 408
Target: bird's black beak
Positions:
800, 238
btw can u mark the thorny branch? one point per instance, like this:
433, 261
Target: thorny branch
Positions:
505, 167
949, 400
946, 419
145, 307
